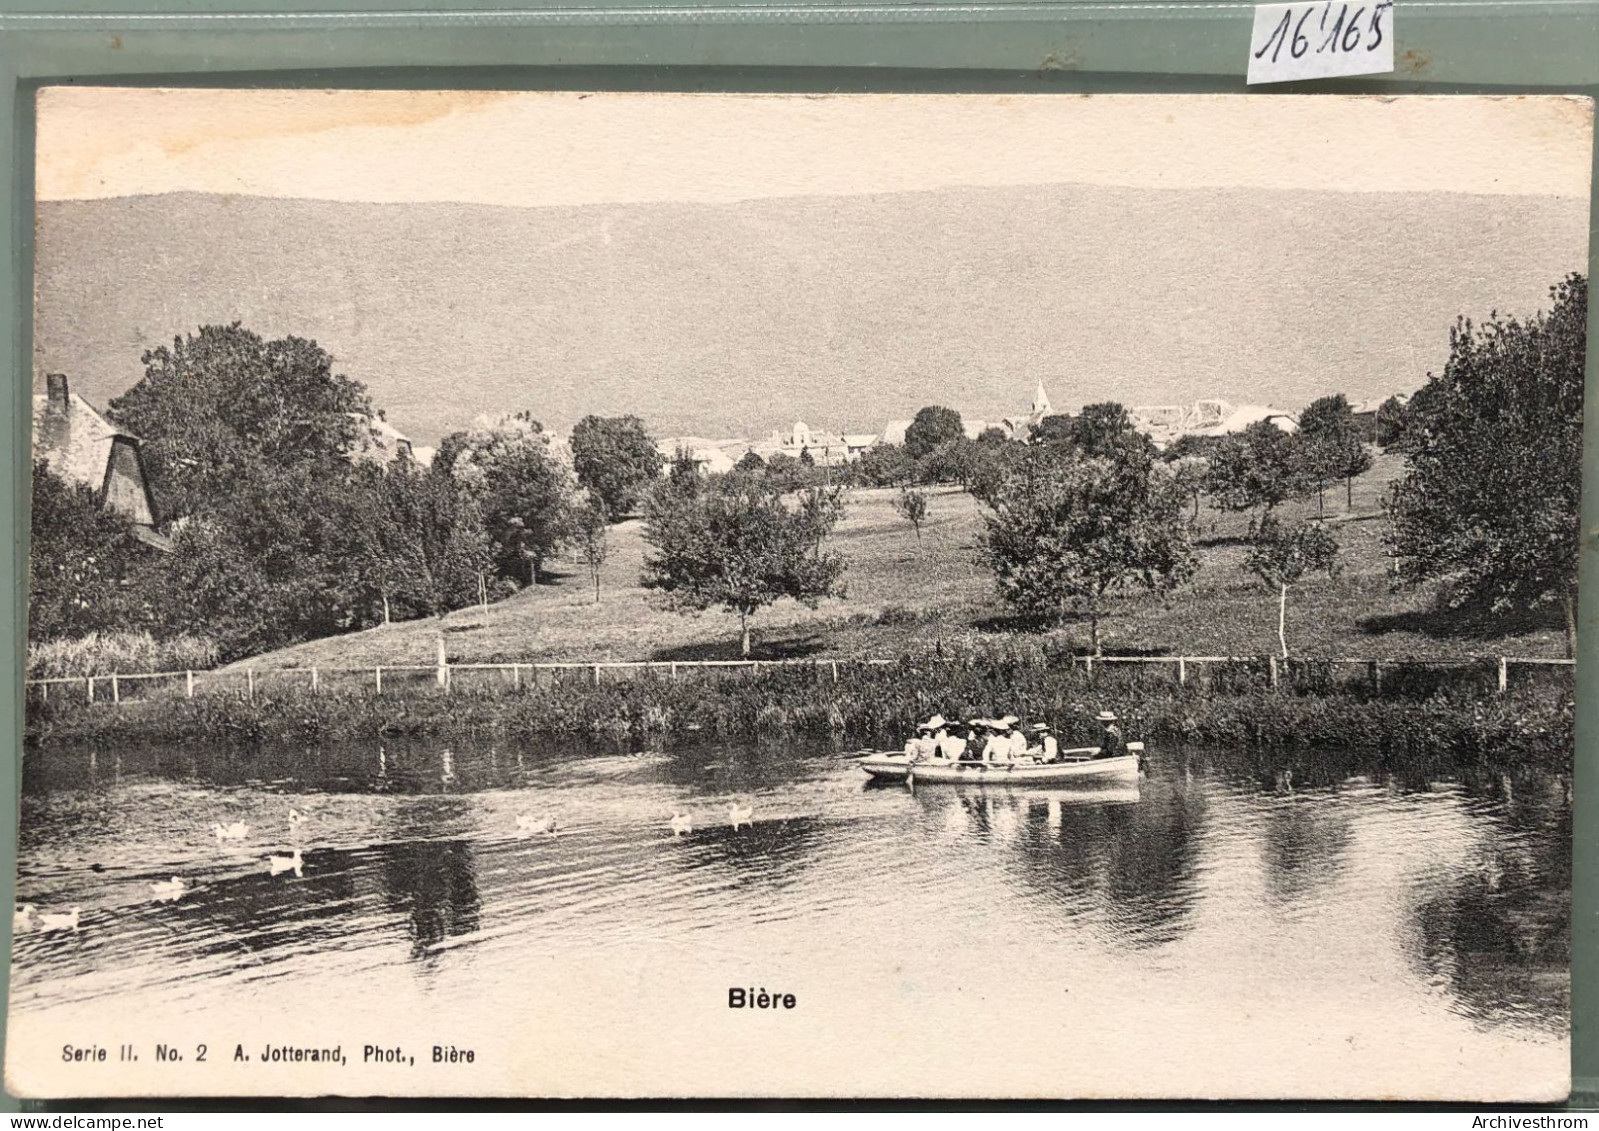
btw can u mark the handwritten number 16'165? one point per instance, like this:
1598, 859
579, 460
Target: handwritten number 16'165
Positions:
1344, 35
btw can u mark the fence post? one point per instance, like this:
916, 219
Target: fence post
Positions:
516, 676
378, 672
1182, 671
116, 692
1504, 675
313, 679
596, 675
250, 679
44, 691
443, 674
674, 669
91, 688
835, 671
1376, 677
1271, 662
1089, 665
188, 683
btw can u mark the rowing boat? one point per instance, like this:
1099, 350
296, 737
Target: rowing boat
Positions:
1076, 765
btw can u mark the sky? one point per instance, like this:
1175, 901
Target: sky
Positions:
541, 148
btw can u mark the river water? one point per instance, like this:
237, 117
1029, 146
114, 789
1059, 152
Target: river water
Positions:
1233, 925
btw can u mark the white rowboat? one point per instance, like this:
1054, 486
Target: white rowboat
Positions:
1076, 765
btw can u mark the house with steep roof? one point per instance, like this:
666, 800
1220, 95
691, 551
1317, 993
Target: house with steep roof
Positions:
82, 446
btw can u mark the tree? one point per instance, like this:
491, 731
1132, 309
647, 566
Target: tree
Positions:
823, 508
883, 465
933, 427
1068, 532
912, 504
952, 462
1330, 445
1261, 467
750, 462
734, 545
590, 524
224, 400
1057, 429
521, 479
1389, 424
1105, 431
1282, 555
1490, 501
994, 435
615, 459
1190, 474
82, 562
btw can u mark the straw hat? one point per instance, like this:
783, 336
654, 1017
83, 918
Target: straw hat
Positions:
1009, 721
937, 722
984, 724
1106, 717
1039, 727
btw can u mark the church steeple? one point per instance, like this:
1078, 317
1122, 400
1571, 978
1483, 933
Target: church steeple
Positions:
1041, 407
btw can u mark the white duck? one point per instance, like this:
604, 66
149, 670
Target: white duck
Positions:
740, 814
238, 830
22, 918
527, 824
682, 824
286, 863
172, 889
59, 920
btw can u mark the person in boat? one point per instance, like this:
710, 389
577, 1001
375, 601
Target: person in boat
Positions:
976, 736
1015, 739
1111, 743
1047, 748
947, 745
921, 748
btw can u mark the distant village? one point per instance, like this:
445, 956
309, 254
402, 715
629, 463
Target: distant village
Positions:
82, 446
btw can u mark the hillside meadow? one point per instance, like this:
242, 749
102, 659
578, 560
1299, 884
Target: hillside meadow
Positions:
907, 594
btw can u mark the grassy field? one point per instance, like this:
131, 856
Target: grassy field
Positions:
905, 594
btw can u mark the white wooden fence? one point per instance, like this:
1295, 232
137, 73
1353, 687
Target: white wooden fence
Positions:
110, 687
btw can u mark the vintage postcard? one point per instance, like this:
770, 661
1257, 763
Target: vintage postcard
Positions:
607, 594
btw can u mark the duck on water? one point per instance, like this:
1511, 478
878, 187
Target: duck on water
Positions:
998, 751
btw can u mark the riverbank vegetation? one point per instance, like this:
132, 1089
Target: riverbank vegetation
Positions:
1451, 714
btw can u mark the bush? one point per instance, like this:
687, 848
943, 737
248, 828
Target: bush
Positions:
112, 653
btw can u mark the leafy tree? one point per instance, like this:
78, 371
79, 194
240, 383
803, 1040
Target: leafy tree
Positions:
750, 462
883, 465
933, 427
84, 564
1105, 431
912, 505
992, 468
1390, 423
994, 435
683, 472
1490, 501
1282, 555
224, 400
589, 526
1190, 474
521, 480
615, 459
823, 507
1261, 467
1067, 533
805, 457
951, 462
1189, 445
1056, 429
1330, 445
784, 472
417, 543
734, 545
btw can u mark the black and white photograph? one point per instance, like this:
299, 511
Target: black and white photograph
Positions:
892, 595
